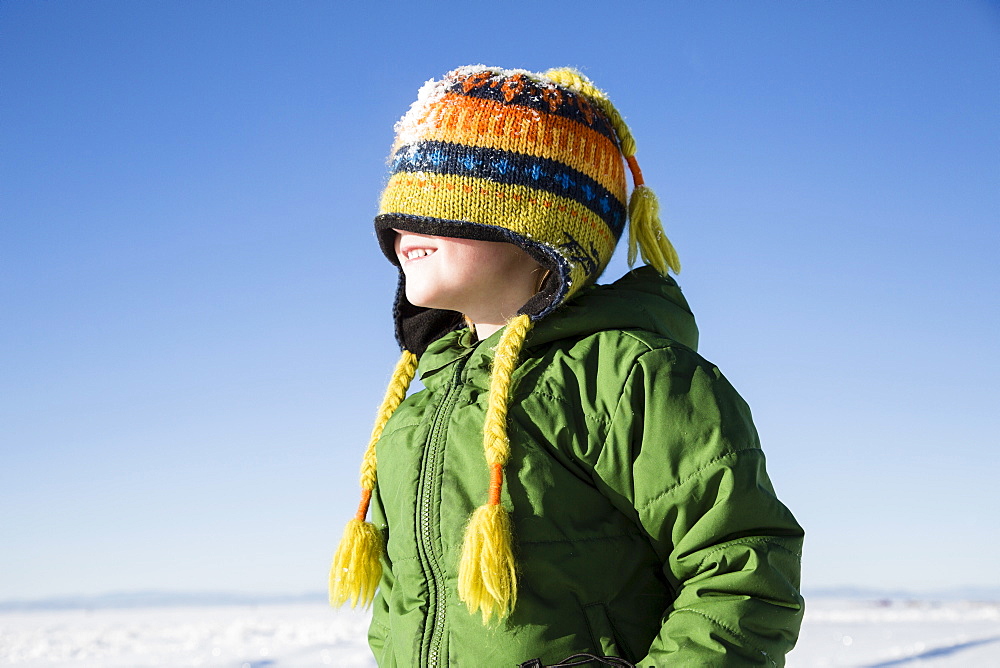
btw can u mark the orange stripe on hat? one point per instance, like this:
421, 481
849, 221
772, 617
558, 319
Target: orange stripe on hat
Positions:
472, 121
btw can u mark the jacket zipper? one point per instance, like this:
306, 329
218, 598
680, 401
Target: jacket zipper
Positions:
426, 502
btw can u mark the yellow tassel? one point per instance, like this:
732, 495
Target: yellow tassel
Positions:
646, 236
646, 231
487, 580
357, 565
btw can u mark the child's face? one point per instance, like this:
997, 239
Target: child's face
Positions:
488, 281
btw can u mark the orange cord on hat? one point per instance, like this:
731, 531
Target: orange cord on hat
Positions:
633, 166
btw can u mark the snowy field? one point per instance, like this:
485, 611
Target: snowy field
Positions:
836, 633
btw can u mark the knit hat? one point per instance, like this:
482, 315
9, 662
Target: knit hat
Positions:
531, 159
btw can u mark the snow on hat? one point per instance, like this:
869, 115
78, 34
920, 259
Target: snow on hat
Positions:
536, 160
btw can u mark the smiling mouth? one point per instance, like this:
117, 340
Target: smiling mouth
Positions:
417, 253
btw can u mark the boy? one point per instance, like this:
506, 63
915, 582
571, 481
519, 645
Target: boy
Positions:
627, 511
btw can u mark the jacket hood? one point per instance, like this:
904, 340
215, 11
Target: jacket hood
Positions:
641, 299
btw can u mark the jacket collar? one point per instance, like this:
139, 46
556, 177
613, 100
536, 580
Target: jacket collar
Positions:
460, 344
642, 299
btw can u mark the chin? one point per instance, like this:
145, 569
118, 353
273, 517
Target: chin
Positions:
423, 299
439, 294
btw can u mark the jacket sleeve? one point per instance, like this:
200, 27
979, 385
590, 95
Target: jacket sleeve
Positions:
682, 458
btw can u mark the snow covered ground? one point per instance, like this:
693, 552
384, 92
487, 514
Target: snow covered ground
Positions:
836, 633
898, 633
267, 636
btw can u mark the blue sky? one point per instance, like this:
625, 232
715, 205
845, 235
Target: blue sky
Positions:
196, 318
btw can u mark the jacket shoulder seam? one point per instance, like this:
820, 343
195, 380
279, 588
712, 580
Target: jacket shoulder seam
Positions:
667, 342
695, 474
553, 397
636, 360
635, 335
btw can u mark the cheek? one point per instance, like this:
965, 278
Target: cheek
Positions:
489, 257
464, 263
512, 261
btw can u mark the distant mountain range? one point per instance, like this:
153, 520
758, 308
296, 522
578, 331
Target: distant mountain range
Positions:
966, 593
162, 599
157, 599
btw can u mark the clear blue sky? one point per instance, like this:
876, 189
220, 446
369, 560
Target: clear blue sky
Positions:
195, 319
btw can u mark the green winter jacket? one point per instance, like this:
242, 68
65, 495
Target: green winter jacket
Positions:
645, 526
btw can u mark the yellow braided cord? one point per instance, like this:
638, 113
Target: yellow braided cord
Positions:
357, 565
487, 580
646, 230
402, 376
495, 443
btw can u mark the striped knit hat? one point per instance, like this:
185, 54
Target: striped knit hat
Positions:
536, 160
